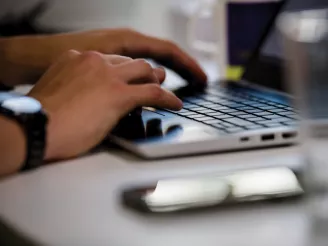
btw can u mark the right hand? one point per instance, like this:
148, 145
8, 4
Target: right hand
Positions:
86, 94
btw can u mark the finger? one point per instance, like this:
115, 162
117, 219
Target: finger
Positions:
167, 54
160, 74
138, 71
116, 59
153, 95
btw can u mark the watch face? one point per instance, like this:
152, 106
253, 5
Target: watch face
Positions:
22, 105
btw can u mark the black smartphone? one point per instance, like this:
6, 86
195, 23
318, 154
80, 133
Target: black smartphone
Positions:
173, 195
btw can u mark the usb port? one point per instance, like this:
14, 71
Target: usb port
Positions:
268, 137
244, 139
289, 135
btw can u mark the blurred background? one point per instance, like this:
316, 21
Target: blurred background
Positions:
162, 18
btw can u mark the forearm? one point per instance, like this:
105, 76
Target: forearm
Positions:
22, 60
12, 147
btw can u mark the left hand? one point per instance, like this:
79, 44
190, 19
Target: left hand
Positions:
30, 56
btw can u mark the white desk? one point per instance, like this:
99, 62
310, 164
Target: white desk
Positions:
77, 203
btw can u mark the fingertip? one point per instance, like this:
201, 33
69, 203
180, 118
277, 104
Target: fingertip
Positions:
199, 73
178, 104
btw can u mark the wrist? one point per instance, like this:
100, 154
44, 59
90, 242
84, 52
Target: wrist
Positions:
13, 146
51, 149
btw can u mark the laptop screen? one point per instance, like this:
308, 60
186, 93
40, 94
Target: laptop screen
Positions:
266, 66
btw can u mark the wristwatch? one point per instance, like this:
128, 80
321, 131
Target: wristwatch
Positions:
28, 113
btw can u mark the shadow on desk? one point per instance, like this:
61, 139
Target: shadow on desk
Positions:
10, 236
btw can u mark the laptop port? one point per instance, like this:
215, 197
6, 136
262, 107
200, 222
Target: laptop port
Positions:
268, 137
244, 139
288, 135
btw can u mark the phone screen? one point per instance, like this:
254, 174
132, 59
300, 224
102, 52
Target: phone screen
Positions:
200, 192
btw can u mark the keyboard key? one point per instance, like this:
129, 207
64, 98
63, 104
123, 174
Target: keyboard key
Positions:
189, 106
215, 121
269, 121
290, 123
278, 110
246, 108
254, 119
199, 116
264, 122
227, 125
274, 125
273, 117
191, 116
196, 109
205, 103
208, 97
215, 113
263, 113
254, 127
204, 118
284, 119
258, 105
223, 116
228, 110
236, 105
186, 113
226, 103
238, 122
291, 115
243, 115
207, 111
268, 107
284, 106
254, 111
203, 110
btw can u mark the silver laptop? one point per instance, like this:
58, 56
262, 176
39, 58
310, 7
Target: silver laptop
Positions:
254, 112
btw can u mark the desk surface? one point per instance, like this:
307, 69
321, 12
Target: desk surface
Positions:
77, 203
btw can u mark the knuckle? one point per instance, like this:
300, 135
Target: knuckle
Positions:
127, 58
72, 53
92, 57
144, 65
68, 55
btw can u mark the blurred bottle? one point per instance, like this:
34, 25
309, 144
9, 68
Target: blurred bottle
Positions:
306, 37
237, 28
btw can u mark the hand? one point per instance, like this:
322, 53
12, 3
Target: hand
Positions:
23, 62
86, 94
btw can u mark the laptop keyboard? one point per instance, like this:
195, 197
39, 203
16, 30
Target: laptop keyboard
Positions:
233, 112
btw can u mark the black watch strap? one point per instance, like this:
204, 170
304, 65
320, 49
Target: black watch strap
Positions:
36, 141
33, 120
